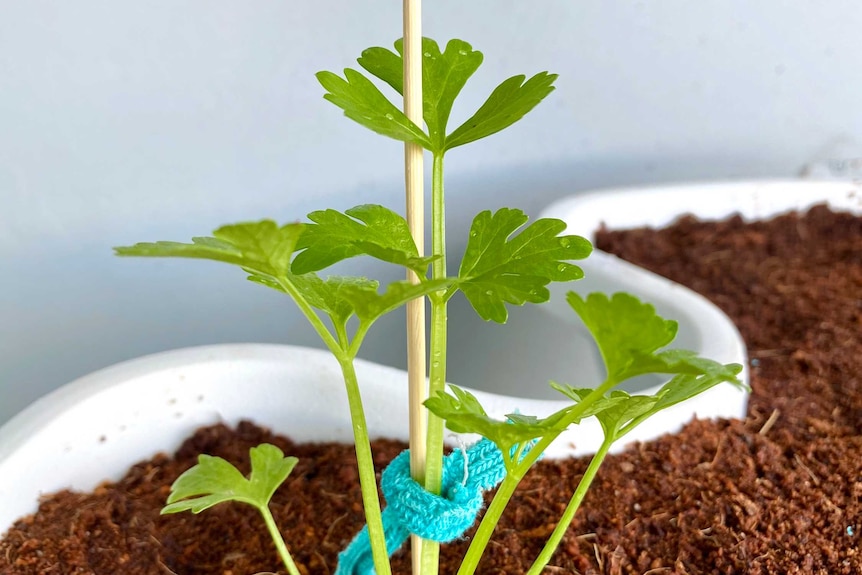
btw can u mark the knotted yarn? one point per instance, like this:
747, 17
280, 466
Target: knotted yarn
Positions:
412, 509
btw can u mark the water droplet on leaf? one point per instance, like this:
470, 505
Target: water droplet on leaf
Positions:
489, 292
390, 117
562, 267
565, 242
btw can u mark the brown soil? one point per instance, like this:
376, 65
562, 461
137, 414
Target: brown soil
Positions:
780, 492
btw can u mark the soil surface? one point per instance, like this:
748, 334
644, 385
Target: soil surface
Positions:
780, 492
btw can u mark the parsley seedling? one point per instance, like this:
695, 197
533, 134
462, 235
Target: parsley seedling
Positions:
213, 480
507, 261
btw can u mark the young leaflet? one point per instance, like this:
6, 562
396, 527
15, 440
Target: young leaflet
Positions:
500, 268
213, 480
444, 74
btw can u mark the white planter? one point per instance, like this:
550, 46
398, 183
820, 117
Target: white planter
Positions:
96, 427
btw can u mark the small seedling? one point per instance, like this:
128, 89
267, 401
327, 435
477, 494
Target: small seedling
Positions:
213, 480
507, 261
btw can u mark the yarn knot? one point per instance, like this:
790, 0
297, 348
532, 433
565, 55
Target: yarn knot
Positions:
412, 509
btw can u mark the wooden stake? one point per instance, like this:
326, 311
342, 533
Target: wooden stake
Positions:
414, 175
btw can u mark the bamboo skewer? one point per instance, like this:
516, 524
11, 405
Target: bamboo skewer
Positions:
414, 174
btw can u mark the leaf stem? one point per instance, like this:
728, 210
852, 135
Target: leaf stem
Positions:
364, 459
312, 317
367, 478
278, 540
438, 218
343, 339
489, 522
572, 508
358, 338
437, 372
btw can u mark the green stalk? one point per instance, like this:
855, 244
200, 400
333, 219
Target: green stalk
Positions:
437, 346
367, 479
278, 540
489, 522
312, 317
572, 508
362, 443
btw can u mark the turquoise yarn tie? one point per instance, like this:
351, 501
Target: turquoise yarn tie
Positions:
412, 509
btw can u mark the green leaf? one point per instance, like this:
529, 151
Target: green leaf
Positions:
261, 248
612, 410
499, 267
363, 230
264, 251
385, 64
331, 295
619, 413
363, 103
678, 361
340, 297
578, 395
464, 414
507, 104
213, 480
444, 75
627, 332
685, 386
370, 305
621, 409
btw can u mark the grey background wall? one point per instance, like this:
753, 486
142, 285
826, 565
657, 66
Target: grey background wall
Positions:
125, 121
